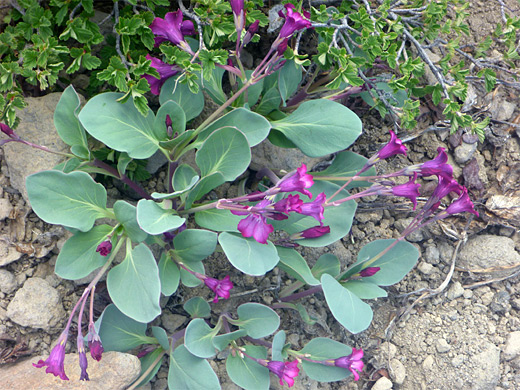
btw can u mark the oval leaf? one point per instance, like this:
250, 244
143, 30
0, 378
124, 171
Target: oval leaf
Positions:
247, 373
120, 126
345, 306
278, 346
194, 244
134, 285
190, 372
219, 220
169, 275
66, 119
70, 199
321, 348
295, 265
126, 214
222, 341
191, 103
258, 320
177, 117
247, 255
320, 127
365, 289
326, 264
198, 339
197, 307
153, 219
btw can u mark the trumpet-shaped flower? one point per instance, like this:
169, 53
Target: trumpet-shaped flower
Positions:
294, 21
369, 271
352, 362
462, 204
94, 343
314, 209
104, 248
393, 147
55, 361
286, 371
239, 14
408, 190
313, 232
220, 287
298, 181
172, 29
83, 363
165, 72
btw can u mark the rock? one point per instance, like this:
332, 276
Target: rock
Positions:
115, 371
172, 322
464, 152
8, 253
36, 305
456, 290
425, 268
487, 372
457, 360
501, 109
428, 363
415, 236
383, 383
397, 371
486, 251
5, 208
512, 347
268, 155
432, 255
7, 282
37, 126
442, 346
500, 304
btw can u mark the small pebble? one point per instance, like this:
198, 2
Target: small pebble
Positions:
442, 346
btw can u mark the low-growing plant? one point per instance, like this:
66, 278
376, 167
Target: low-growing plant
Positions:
256, 231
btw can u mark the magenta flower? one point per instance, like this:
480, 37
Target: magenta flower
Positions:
172, 29
251, 31
289, 204
314, 209
83, 363
239, 14
8, 131
94, 343
255, 226
408, 190
56, 358
297, 181
369, 271
352, 362
395, 146
437, 166
165, 72
446, 186
461, 204
220, 287
294, 21
313, 232
104, 248
285, 371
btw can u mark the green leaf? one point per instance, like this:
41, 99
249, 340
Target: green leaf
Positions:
197, 307
161, 336
394, 264
247, 373
126, 214
289, 79
190, 280
254, 126
278, 346
146, 361
338, 218
347, 164
78, 257
203, 186
190, 372
326, 264
122, 162
295, 265
247, 255
120, 126
134, 285
222, 341
71, 199
213, 86
219, 220
194, 244
365, 289
153, 219
270, 101
253, 92
320, 127
226, 151
183, 177
177, 116
258, 320
191, 103
198, 339
350, 311
321, 348
119, 332
66, 119
169, 275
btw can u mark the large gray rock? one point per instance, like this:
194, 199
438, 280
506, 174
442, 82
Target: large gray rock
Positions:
267, 155
36, 305
115, 371
36, 126
487, 251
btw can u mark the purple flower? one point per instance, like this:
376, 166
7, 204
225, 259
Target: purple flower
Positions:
255, 226
220, 287
314, 209
313, 232
352, 362
297, 181
409, 190
8, 131
395, 146
294, 21
437, 166
56, 358
285, 371
251, 31
239, 14
165, 72
291, 203
94, 343
83, 363
461, 204
104, 248
172, 29
446, 186
369, 271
